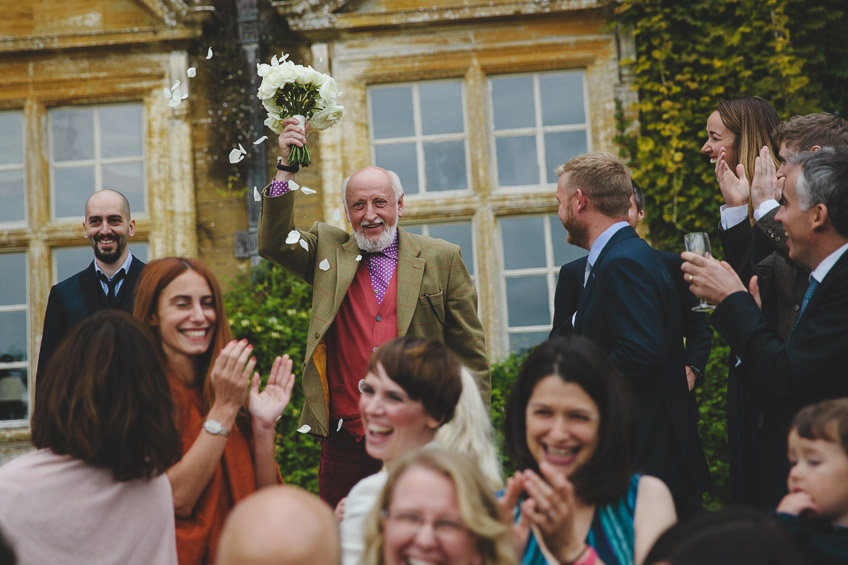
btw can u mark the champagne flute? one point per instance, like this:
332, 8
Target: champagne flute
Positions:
699, 242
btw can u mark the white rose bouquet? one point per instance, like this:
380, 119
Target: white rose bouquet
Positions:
295, 91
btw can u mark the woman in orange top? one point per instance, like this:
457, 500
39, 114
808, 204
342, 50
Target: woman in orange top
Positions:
228, 451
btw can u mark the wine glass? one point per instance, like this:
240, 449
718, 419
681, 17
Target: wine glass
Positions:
699, 242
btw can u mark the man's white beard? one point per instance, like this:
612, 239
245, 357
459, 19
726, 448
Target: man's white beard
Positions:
386, 239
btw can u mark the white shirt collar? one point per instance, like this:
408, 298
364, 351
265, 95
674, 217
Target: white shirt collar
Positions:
603, 239
823, 268
125, 266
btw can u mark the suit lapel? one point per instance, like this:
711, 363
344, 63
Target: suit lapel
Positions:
621, 235
834, 276
91, 291
410, 274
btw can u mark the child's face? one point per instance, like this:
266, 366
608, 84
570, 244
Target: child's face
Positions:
819, 468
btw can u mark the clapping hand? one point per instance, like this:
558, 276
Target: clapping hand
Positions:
266, 406
734, 187
764, 186
231, 373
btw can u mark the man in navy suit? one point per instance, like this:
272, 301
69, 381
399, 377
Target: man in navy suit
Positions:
696, 330
631, 307
108, 282
807, 366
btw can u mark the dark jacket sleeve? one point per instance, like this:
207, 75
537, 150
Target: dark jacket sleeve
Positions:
567, 296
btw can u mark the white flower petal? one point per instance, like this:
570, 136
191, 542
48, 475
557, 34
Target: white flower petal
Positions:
307, 191
243, 152
324, 265
293, 185
176, 86
236, 156
184, 96
337, 215
209, 54
167, 92
260, 140
320, 59
340, 424
304, 429
256, 196
174, 102
304, 244
191, 72
359, 257
294, 237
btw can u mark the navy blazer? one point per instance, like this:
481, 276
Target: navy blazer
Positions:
76, 298
696, 328
631, 307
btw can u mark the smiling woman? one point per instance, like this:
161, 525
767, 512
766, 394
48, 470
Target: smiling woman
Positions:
571, 427
228, 447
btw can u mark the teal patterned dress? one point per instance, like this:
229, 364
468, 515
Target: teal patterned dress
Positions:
611, 533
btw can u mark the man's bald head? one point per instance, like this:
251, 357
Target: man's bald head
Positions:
107, 195
281, 526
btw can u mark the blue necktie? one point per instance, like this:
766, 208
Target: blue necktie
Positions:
807, 295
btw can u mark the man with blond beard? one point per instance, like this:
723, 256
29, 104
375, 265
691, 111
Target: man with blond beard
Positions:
369, 287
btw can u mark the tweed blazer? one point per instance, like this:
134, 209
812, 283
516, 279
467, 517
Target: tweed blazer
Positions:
436, 298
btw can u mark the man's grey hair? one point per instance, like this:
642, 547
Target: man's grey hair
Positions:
396, 186
824, 180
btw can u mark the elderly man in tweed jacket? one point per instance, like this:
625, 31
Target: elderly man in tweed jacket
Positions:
369, 287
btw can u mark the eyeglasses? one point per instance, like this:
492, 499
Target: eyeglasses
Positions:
410, 523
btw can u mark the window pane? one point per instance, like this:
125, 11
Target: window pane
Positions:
72, 187
12, 140
562, 98
401, 159
460, 234
72, 134
69, 261
512, 102
13, 279
523, 243
391, 112
13, 336
138, 250
517, 164
419, 229
527, 301
13, 394
560, 147
520, 342
441, 107
120, 131
128, 179
444, 165
12, 201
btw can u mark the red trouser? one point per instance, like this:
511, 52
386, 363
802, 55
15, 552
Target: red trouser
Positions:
344, 462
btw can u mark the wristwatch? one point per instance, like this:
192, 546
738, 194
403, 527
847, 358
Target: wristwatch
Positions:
215, 428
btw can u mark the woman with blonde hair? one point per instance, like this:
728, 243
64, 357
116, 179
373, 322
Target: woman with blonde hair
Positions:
226, 424
436, 506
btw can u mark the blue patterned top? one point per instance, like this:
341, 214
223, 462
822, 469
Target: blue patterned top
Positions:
611, 533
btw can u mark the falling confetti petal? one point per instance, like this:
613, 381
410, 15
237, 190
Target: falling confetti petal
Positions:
293, 185
304, 429
236, 156
359, 257
260, 140
176, 86
256, 196
243, 152
324, 265
274, 61
209, 54
340, 425
320, 59
307, 191
337, 215
191, 72
304, 244
174, 102
167, 92
294, 237
185, 96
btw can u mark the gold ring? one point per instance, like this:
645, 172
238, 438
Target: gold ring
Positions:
691, 277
